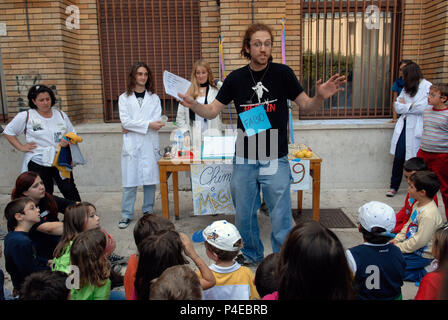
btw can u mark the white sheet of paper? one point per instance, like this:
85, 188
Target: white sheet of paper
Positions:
223, 146
174, 84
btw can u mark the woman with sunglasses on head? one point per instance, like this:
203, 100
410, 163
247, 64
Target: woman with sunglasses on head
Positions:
44, 128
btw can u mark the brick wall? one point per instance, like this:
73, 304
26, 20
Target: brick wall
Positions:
424, 36
66, 60
69, 60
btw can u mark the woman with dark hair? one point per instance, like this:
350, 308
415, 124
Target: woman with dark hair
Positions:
140, 112
410, 104
45, 234
44, 128
313, 266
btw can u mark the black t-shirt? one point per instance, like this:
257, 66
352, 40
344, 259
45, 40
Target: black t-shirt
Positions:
46, 243
140, 95
277, 84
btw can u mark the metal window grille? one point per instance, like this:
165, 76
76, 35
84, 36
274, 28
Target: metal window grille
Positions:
163, 33
356, 38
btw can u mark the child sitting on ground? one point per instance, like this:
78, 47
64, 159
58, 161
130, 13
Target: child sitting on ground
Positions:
147, 225
378, 266
160, 251
431, 284
45, 285
410, 167
88, 254
312, 266
233, 281
415, 238
266, 279
80, 217
177, 283
20, 259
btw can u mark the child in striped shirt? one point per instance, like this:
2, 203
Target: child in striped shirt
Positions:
434, 142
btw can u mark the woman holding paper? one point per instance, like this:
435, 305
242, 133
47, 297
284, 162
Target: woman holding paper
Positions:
140, 114
204, 90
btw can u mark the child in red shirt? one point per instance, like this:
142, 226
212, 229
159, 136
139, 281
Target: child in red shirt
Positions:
410, 166
431, 283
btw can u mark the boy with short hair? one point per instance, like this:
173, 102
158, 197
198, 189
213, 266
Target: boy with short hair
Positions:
410, 167
415, 238
378, 265
233, 281
434, 142
45, 285
20, 255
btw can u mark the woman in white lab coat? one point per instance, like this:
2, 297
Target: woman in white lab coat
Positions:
204, 90
140, 112
410, 104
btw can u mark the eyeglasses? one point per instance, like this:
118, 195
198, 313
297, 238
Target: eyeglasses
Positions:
432, 95
142, 73
259, 44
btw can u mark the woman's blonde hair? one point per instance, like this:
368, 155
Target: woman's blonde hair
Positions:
194, 88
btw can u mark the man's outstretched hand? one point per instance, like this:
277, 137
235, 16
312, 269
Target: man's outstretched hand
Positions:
330, 87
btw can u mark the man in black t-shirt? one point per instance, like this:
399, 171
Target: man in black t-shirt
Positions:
261, 158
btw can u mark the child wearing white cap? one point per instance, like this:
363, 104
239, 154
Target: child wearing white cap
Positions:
378, 266
233, 282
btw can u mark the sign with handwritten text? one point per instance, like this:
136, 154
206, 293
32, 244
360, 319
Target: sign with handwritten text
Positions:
300, 171
211, 189
255, 120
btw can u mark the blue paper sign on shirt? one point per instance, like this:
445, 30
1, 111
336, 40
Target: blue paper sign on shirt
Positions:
255, 120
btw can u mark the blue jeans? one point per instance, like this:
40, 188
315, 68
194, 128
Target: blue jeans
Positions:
274, 179
129, 196
415, 267
117, 295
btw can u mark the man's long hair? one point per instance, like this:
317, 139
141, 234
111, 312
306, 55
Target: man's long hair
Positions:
149, 85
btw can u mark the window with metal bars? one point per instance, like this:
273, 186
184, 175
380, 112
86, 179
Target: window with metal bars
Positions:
356, 38
163, 33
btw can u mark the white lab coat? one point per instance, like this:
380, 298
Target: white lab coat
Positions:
140, 151
414, 118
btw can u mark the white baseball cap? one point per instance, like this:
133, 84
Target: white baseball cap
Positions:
377, 214
220, 234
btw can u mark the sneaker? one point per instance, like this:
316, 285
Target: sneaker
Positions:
391, 193
116, 259
124, 223
242, 260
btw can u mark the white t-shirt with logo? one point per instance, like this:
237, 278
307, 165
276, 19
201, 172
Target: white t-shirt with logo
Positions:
45, 132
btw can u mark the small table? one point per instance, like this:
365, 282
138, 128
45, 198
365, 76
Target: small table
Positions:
168, 166
315, 166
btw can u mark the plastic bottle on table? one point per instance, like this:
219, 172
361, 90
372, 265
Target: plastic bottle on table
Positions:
179, 142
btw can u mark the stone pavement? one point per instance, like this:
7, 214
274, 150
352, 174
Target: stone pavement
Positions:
108, 206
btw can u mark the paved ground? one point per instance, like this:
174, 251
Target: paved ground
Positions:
108, 206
